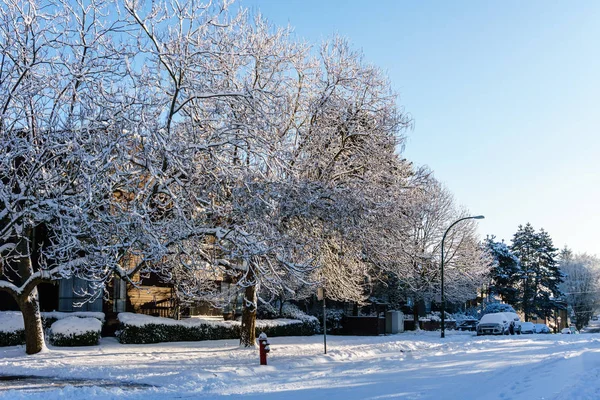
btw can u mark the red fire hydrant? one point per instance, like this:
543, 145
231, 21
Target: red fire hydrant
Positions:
264, 348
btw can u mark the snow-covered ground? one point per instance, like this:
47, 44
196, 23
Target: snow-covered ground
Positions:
405, 366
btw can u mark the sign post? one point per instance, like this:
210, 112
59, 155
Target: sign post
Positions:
321, 296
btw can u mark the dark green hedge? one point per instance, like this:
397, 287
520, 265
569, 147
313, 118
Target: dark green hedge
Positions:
85, 339
155, 333
18, 337
304, 328
12, 338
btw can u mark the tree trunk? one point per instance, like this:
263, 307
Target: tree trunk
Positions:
248, 331
29, 302
32, 320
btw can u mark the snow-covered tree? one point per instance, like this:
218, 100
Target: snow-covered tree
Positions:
505, 273
176, 139
57, 62
466, 264
581, 284
540, 274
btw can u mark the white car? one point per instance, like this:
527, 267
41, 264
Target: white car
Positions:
569, 331
527, 327
493, 324
542, 328
516, 321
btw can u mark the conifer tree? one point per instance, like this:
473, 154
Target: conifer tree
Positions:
524, 248
505, 272
549, 276
540, 275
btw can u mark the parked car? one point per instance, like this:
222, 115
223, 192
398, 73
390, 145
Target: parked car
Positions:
467, 325
527, 327
493, 324
516, 321
569, 331
542, 328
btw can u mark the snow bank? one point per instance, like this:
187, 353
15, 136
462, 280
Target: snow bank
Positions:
11, 321
76, 326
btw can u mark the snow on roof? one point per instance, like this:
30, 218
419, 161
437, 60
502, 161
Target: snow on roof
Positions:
11, 321
76, 326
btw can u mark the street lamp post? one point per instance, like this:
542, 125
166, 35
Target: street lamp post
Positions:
443, 325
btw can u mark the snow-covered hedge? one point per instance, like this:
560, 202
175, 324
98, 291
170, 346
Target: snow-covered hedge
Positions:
12, 331
75, 331
50, 317
138, 329
289, 311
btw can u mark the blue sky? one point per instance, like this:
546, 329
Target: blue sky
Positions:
504, 94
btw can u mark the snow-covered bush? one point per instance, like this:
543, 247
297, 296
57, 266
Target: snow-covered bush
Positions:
75, 331
50, 317
138, 328
334, 320
12, 331
293, 312
437, 316
266, 311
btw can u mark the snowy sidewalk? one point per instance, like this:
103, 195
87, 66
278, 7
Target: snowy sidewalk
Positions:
407, 366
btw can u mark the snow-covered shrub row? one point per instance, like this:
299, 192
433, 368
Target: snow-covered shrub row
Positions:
334, 320
75, 331
291, 311
138, 329
49, 318
12, 331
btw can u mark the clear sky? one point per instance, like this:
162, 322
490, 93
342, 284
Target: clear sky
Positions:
505, 96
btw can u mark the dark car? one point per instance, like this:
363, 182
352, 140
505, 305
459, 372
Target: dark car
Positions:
467, 325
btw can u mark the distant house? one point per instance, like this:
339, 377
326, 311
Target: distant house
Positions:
150, 297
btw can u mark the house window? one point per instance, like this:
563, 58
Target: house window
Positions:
119, 295
76, 294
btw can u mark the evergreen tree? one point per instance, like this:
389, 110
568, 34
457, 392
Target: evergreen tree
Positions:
540, 273
549, 276
524, 248
505, 272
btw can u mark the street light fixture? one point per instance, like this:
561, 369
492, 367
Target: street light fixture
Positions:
443, 326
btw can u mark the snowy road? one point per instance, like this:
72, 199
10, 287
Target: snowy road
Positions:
405, 366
